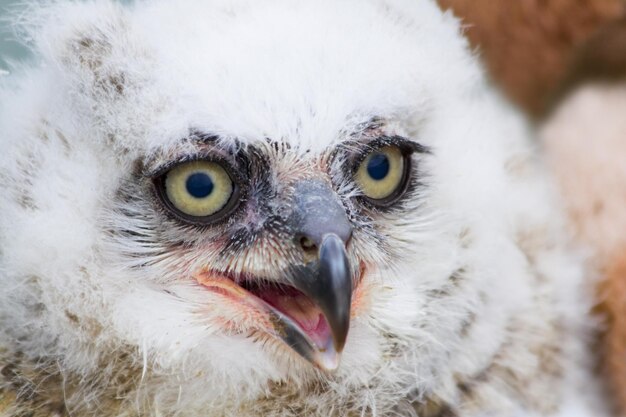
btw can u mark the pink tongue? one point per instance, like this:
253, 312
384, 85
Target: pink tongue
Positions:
304, 312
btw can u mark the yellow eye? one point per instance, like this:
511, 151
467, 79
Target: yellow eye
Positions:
198, 188
382, 173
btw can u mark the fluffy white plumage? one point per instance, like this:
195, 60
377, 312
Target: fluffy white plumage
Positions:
472, 303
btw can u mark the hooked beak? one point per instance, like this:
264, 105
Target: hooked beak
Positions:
327, 282
311, 311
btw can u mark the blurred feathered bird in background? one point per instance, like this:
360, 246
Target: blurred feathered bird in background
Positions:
276, 208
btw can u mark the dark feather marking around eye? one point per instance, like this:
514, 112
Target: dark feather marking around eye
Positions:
199, 136
257, 165
249, 166
358, 150
368, 128
162, 161
355, 152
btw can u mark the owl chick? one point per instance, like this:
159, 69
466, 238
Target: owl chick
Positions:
276, 208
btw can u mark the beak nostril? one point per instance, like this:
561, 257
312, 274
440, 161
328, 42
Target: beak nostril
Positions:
307, 244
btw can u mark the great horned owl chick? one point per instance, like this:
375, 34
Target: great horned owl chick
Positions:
276, 208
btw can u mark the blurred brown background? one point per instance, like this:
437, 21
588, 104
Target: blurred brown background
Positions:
528, 45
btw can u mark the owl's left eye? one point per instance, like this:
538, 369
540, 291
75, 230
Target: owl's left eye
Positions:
199, 191
382, 174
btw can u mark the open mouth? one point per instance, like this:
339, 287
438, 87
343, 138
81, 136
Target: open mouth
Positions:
290, 315
310, 311
295, 305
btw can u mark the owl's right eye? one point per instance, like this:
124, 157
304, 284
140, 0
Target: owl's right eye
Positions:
198, 191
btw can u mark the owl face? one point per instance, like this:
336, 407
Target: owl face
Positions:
277, 237
275, 197
271, 191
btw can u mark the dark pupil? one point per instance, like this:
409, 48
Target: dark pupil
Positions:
199, 185
378, 166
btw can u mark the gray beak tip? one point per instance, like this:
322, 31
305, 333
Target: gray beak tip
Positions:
328, 283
